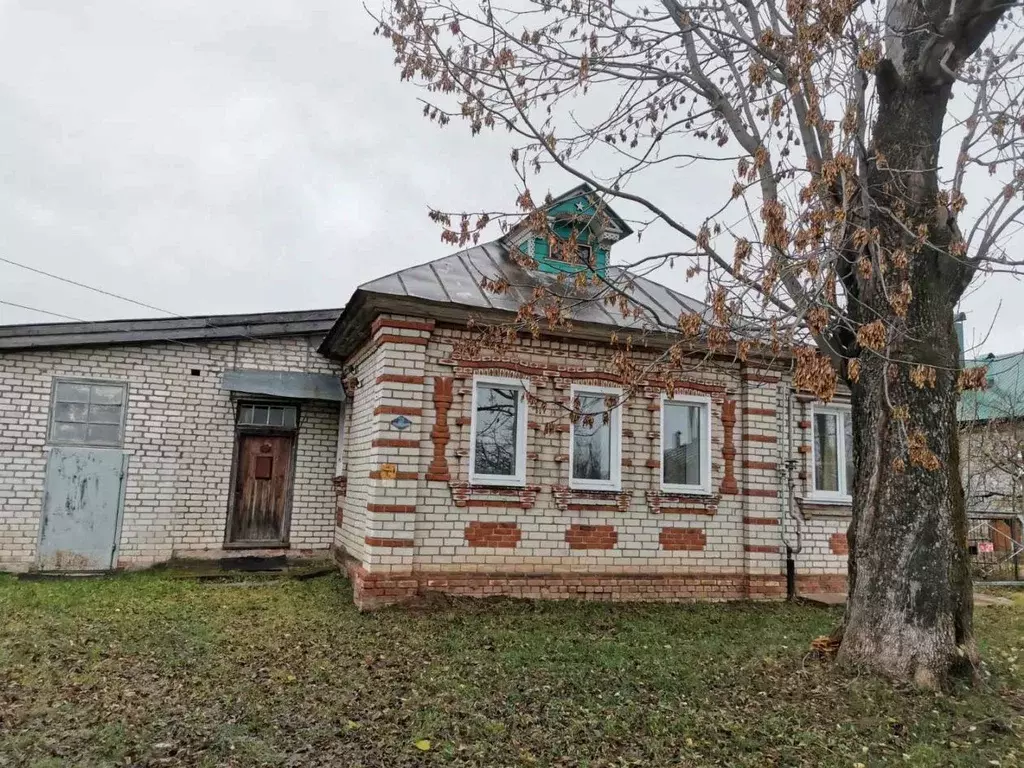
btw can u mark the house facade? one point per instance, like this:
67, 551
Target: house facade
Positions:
424, 460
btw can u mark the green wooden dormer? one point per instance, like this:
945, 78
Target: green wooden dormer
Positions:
581, 232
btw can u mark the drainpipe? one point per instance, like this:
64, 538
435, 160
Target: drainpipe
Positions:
787, 481
958, 323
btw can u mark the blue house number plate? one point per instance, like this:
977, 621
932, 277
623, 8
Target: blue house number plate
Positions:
401, 422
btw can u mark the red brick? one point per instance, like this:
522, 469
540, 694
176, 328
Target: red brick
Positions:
376, 541
682, 539
498, 535
394, 442
399, 378
838, 544
399, 509
591, 536
397, 410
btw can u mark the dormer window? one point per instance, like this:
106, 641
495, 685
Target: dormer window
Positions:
584, 254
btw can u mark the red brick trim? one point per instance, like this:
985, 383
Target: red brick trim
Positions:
439, 433
764, 549
706, 511
375, 474
749, 438
397, 410
764, 493
376, 541
496, 535
729, 485
803, 449
399, 378
403, 325
571, 499
397, 509
805, 424
760, 521
463, 421
838, 543
591, 536
759, 464
372, 590
521, 497
498, 503
394, 442
682, 539
760, 411
394, 338
759, 378
653, 464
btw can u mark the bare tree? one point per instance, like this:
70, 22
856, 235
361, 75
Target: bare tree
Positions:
840, 219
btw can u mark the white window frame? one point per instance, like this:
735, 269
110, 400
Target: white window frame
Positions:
519, 478
704, 488
614, 482
836, 497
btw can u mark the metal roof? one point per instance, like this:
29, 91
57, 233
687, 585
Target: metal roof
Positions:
290, 384
1004, 396
198, 328
457, 279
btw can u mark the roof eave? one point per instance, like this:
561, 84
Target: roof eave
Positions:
353, 328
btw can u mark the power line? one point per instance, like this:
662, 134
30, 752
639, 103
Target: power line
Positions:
43, 311
69, 281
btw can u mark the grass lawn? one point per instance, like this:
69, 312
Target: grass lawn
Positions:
147, 670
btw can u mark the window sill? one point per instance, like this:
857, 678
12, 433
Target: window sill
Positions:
498, 483
691, 492
476, 494
670, 503
570, 499
813, 506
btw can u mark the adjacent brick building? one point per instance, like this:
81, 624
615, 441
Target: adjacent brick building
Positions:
435, 463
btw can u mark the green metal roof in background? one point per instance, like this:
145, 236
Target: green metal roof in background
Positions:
1004, 397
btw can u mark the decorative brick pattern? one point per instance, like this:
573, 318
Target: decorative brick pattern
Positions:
494, 535
377, 541
682, 539
728, 449
838, 544
591, 536
440, 434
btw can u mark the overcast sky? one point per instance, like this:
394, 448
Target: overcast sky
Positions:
242, 156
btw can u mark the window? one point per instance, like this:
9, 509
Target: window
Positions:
596, 439
87, 413
686, 444
833, 453
497, 452
255, 415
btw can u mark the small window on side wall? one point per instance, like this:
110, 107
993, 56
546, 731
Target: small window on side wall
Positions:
88, 413
686, 444
497, 453
595, 445
833, 453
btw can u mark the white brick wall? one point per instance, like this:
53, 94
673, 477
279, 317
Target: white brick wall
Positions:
744, 535
179, 435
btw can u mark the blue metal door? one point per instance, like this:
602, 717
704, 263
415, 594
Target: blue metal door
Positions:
81, 509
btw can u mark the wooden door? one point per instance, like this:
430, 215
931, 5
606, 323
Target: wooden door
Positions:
263, 484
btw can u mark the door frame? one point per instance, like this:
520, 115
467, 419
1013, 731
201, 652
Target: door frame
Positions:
242, 431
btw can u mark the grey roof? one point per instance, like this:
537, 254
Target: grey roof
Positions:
457, 279
199, 328
450, 288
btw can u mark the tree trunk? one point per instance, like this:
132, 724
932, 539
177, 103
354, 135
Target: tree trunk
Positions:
910, 606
